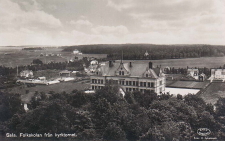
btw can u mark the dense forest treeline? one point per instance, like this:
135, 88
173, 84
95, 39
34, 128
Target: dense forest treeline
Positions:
107, 115
137, 51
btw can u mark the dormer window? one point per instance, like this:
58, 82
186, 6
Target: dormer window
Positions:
146, 75
121, 72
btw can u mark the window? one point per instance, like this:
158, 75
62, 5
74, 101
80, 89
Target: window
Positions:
122, 82
126, 89
126, 82
160, 89
141, 83
92, 87
101, 81
130, 89
149, 84
144, 84
146, 75
136, 83
98, 81
152, 84
92, 81
122, 72
129, 82
134, 89
160, 82
133, 83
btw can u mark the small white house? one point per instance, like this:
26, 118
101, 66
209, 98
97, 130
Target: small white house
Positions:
146, 53
27, 74
76, 52
217, 74
193, 73
94, 62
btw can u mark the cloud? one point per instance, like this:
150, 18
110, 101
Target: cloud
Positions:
120, 6
81, 23
14, 17
118, 30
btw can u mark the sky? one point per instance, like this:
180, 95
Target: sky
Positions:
77, 22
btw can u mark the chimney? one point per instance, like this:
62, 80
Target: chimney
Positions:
150, 65
130, 64
110, 63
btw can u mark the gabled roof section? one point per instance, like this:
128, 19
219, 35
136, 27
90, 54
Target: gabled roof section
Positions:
150, 73
133, 69
122, 68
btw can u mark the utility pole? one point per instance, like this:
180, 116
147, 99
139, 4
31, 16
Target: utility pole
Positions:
17, 71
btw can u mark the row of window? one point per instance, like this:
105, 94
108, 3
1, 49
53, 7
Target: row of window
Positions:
136, 83
96, 87
126, 83
97, 81
136, 89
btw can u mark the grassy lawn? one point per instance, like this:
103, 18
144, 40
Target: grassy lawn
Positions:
213, 92
68, 87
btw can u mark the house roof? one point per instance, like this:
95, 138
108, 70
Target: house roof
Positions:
192, 69
26, 71
137, 69
65, 71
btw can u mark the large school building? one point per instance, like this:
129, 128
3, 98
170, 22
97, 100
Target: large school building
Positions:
130, 76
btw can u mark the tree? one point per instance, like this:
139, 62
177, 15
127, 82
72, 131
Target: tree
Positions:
114, 132
37, 62
10, 105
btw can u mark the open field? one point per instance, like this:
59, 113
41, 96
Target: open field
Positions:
68, 87
213, 92
188, 84
15, 56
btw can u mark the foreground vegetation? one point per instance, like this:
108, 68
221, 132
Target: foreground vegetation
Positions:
107, 115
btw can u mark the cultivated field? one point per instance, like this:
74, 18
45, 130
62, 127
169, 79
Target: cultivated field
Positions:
213, 92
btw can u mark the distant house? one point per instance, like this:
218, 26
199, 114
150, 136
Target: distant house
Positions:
27, 74
193, 73
42, 78
65, 73
146, 53
77, 52
202, 77
217, 74
94, 62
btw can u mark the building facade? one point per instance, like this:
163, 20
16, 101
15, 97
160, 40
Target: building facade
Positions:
130, 76
217, 74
